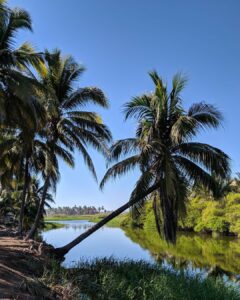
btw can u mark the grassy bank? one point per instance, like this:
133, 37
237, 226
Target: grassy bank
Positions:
116, 222
36, 276
52, 225
110, 279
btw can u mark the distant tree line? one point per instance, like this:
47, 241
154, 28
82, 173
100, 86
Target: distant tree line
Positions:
76, 210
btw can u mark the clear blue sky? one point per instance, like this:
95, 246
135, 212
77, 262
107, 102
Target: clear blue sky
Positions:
119, 42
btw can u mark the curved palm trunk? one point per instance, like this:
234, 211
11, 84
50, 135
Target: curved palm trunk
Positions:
24, 194
60, 252
35, 225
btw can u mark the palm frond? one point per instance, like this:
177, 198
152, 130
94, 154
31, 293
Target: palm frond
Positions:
84, 96
87, 159
122, 148
206, 115
120, 168
65, 155
138, 107
195, 174
138, 195
211, 158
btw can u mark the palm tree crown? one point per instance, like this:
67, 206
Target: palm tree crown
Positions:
68, 127
164, 152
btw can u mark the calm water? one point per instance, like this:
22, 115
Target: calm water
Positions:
103, 243
193, 253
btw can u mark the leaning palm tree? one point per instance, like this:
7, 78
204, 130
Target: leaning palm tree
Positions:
163, 150
69, 126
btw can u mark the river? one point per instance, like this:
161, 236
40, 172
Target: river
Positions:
193, 253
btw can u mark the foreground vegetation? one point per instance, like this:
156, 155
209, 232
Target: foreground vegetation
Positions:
111, 279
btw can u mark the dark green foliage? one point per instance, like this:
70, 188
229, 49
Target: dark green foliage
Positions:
9, 201
44, 110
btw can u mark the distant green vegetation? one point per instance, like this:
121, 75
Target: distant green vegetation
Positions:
203, 214
70, 218
116, 222
123, 280
75, 210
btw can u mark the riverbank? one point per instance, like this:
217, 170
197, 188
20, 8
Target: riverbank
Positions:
22, 265
52, 225
111, 279
203, 215
27, 272
116, 222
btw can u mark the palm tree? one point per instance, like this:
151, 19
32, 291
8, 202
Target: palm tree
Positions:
69, 127
164, 152
33, 199
19, 108
16, 88
22, 155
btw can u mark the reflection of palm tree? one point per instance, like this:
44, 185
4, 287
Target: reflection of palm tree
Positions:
163, 151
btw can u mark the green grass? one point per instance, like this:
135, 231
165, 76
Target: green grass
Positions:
52, 225
75, 217
116, 222
123, 280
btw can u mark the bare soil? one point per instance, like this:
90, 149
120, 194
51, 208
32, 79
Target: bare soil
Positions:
21, 264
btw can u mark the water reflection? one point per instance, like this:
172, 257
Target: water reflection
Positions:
105, 242
193, 253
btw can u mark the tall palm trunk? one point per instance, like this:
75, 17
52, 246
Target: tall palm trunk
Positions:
60, 252
169, 214
24, 194
38, 216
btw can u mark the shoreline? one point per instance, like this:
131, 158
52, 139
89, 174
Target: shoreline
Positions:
22, 264
28, 272
116, 222
119, 222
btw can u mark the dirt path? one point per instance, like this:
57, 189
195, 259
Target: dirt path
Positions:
20, 265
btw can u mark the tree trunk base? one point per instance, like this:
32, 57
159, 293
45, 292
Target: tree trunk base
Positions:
57, 253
